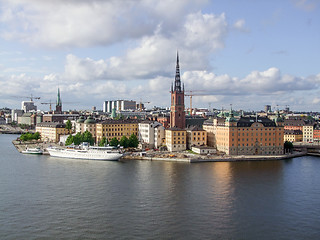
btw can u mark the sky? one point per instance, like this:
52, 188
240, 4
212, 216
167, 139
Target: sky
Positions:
246, 53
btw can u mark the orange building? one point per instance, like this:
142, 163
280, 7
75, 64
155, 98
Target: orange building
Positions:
248, 135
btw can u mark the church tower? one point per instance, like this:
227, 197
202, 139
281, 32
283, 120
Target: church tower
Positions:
177, 113
58, 103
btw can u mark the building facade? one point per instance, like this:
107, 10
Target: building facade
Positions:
308, 133
116, 128
293, 136
51, 131
196, 136
148, 133
248, 135
176, 139
119, 105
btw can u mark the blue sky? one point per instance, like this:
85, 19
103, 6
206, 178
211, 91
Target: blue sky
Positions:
246, 53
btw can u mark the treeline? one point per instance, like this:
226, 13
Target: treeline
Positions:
30, 136
80, 138
125, 142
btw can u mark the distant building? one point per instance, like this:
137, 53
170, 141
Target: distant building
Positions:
119, 105
267, 108
51, 131
15, 113
293, 136
28, 106
59, 117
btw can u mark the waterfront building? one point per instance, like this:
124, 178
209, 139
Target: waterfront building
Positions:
176, 139
308, 133
159, 136
116, 128
246, 135
150, 133
316, 133
196, 136
293, 136
177, 113
51, 131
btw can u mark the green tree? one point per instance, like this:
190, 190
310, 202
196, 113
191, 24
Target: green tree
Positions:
77, 139
133, 141
69, 140
114, 142
103, 142
124, 141
36, 136
69, 125
87, 137
288, 147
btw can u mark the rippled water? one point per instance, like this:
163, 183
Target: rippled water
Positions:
50, 198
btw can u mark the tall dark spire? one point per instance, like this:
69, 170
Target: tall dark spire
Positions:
177, 82
58, 99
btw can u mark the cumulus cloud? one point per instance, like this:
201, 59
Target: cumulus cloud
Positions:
87, 23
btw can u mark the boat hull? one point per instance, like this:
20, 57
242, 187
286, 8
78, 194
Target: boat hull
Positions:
85, 154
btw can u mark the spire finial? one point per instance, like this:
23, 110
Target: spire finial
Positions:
177, 82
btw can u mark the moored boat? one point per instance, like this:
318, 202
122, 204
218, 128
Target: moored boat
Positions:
92, 153
36, 150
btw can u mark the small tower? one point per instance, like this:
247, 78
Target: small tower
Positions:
177, 113
58, 103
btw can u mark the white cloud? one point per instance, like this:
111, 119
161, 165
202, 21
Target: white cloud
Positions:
87, 23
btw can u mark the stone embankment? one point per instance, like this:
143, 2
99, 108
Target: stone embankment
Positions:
195, 158
23, 145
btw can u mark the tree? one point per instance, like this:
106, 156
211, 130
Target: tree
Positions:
124, 141
77, 139
133, 141
103, 142
87, 137
69, 125
288, 146
114, 142
69, 140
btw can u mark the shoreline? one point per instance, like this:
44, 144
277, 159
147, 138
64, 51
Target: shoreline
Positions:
21, 146
218, 158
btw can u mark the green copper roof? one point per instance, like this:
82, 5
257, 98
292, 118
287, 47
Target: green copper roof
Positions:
59, 99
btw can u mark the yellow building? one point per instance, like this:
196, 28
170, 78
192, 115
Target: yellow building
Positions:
196, 137
293, 136
51, 131
176, 139
116, 128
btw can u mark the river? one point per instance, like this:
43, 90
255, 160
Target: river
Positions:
42, 197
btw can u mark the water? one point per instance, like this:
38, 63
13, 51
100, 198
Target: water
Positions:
50, 198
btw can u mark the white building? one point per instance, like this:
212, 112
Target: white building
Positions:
307, 133
28, 106
150, 133
119, 105
15, 113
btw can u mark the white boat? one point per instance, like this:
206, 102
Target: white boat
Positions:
89, 153
36, 150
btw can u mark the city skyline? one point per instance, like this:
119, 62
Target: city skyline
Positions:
246, 53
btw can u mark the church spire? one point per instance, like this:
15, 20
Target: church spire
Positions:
58, 99
177, 82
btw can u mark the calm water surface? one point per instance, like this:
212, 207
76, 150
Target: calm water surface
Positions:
42, 197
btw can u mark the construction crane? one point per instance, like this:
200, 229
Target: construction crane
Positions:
50, 104
31, 97
192, 93
140, 105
